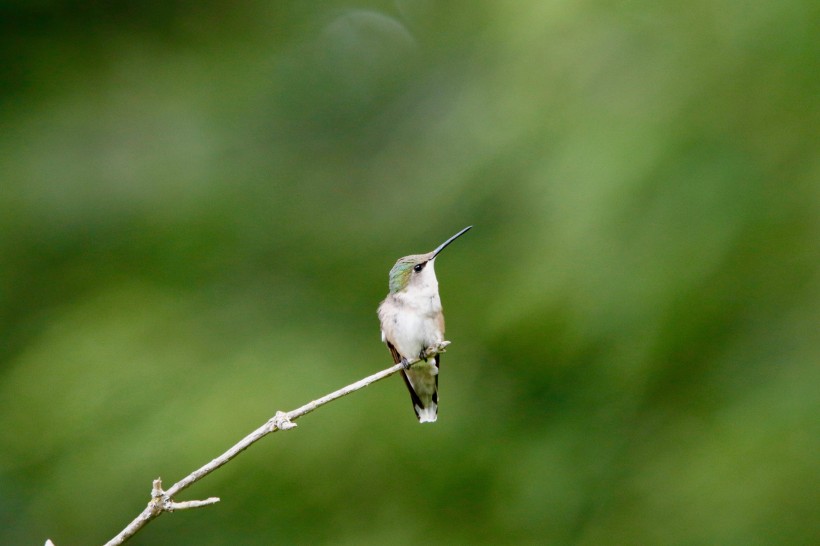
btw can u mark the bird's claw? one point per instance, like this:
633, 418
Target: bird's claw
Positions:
405, 363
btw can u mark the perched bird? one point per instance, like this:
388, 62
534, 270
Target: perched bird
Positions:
412, 322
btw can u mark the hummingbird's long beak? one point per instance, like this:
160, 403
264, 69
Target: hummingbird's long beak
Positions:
450, 240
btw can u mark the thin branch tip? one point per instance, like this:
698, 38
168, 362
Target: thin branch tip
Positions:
185, 505
156, 488
436, 349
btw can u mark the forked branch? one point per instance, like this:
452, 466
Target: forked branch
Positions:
163, 500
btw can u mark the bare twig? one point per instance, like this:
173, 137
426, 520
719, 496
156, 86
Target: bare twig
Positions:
162, 501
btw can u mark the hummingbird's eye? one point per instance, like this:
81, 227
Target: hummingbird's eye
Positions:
418, 267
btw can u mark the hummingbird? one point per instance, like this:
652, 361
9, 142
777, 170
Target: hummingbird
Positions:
412, 322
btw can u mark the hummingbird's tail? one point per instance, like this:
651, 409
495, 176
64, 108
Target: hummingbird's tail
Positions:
428, 414
422, 382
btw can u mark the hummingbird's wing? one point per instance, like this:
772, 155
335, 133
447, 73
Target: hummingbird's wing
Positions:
414, 397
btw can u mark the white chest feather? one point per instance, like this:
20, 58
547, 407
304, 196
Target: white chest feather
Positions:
411, 319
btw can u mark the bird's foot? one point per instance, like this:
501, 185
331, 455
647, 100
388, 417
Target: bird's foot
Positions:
405, 363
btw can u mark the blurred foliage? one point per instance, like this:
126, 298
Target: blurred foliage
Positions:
199, 205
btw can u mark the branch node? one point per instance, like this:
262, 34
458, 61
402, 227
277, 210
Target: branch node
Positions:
281, 421
161, 502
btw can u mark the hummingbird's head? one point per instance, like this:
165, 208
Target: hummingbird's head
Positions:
410, 270
417, 270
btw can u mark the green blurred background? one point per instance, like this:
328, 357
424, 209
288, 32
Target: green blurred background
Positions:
199, 205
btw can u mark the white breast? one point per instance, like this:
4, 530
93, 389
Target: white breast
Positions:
410, 319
